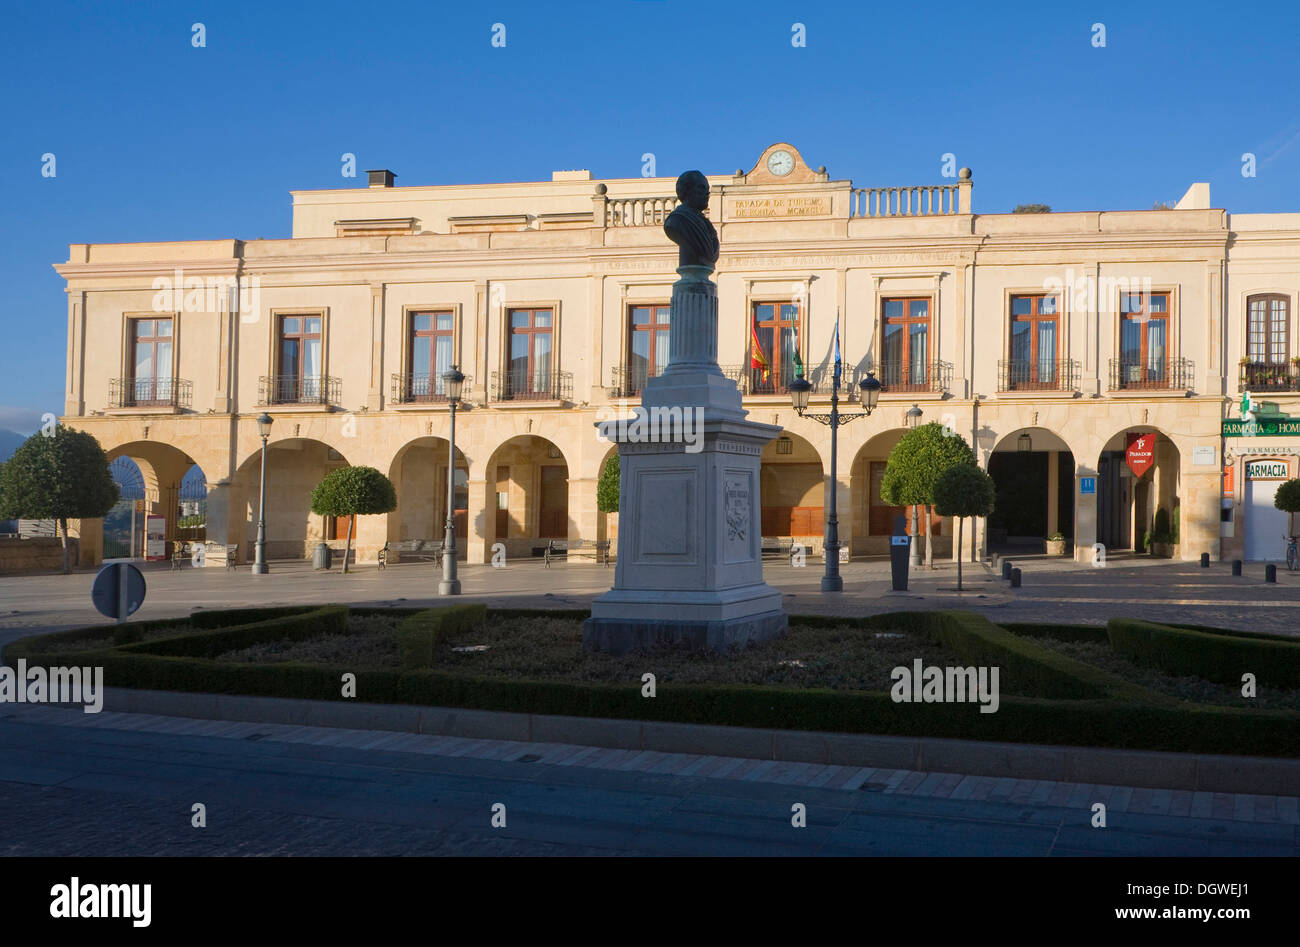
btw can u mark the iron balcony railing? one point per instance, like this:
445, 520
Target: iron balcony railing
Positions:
751, 381
630, 380
897, 377
1269, 376
1021, 375
1130, 374
295, 389
421, 387
149, 392
522, 385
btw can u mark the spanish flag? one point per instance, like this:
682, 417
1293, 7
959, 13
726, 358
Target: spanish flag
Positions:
757, 360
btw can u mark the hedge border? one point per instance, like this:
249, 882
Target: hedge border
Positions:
1114, 713
1213, 657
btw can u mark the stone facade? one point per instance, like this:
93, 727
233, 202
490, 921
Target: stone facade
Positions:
587, 254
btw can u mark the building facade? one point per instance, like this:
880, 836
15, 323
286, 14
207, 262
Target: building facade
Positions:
1050, 342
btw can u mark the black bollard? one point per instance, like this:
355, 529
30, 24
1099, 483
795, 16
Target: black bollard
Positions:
1015, 578
1006, 568
1205, 560
1236, 567
1270, 573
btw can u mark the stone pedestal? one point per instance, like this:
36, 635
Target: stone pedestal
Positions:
689, 572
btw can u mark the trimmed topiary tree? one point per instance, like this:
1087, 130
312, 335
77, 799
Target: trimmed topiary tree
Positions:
915, 464
353, 491
61, 475
607, 487
963, 490
1287, 499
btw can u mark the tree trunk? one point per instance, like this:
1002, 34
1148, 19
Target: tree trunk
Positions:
63, 521
959, 554
347, 547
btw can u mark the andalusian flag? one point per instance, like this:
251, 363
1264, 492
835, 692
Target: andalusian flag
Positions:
757, 360
798, 359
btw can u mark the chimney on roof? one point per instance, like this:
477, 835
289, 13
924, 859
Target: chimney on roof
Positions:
381, 178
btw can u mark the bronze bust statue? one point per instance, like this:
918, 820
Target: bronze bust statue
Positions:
696, 240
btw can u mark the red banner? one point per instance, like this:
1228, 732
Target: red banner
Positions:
1141, 453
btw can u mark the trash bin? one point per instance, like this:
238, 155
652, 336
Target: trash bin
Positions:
900, 546
322, 557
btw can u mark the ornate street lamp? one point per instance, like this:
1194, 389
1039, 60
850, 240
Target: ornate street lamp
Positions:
1024, 443
259, 561
799, 391
450, 585
913, 420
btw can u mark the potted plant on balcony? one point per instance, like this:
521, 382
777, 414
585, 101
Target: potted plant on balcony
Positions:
1056, 544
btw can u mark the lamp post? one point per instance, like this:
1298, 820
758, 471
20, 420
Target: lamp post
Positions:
259, 561
799, 390
450, 585
913, 420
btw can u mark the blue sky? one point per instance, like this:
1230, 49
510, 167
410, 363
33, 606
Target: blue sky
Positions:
158, 140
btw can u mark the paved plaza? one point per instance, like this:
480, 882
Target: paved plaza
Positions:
273, 789
1052, 590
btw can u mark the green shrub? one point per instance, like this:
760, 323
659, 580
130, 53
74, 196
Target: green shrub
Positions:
1212, 656
330, 619
1091, 633
419, 635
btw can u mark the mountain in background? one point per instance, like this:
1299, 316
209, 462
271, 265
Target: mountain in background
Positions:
10, 441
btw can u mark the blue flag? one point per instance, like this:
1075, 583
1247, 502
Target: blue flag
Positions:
837, 341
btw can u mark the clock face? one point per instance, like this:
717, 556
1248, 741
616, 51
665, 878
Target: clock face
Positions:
780, 163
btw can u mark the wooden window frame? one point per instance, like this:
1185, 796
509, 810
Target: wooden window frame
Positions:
776, 384
1033, 319
132, 341
1267, 299
651, 331
1145, 317
277, 337
532, 332
408, 353
906, 320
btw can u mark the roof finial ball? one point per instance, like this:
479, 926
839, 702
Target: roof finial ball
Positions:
964, 174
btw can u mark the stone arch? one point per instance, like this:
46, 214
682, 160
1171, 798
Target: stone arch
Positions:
792, 490
294, 465
419, 473
872, 519
1033, 470
526, 498
1126, 505
163, 469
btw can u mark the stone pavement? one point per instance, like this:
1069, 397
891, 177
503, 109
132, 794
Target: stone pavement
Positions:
123, 784
1052, 590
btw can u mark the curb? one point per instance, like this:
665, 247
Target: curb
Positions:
1147, 769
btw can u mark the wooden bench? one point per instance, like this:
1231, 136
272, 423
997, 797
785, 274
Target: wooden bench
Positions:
426, 549
562, 547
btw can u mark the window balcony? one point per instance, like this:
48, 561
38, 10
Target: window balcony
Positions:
630, 381
523, 385
296, 389
422, 388
1131, 374
1022, 375
149, 393
913, 377
1268, 376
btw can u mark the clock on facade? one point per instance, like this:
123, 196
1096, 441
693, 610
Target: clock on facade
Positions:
780, 163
